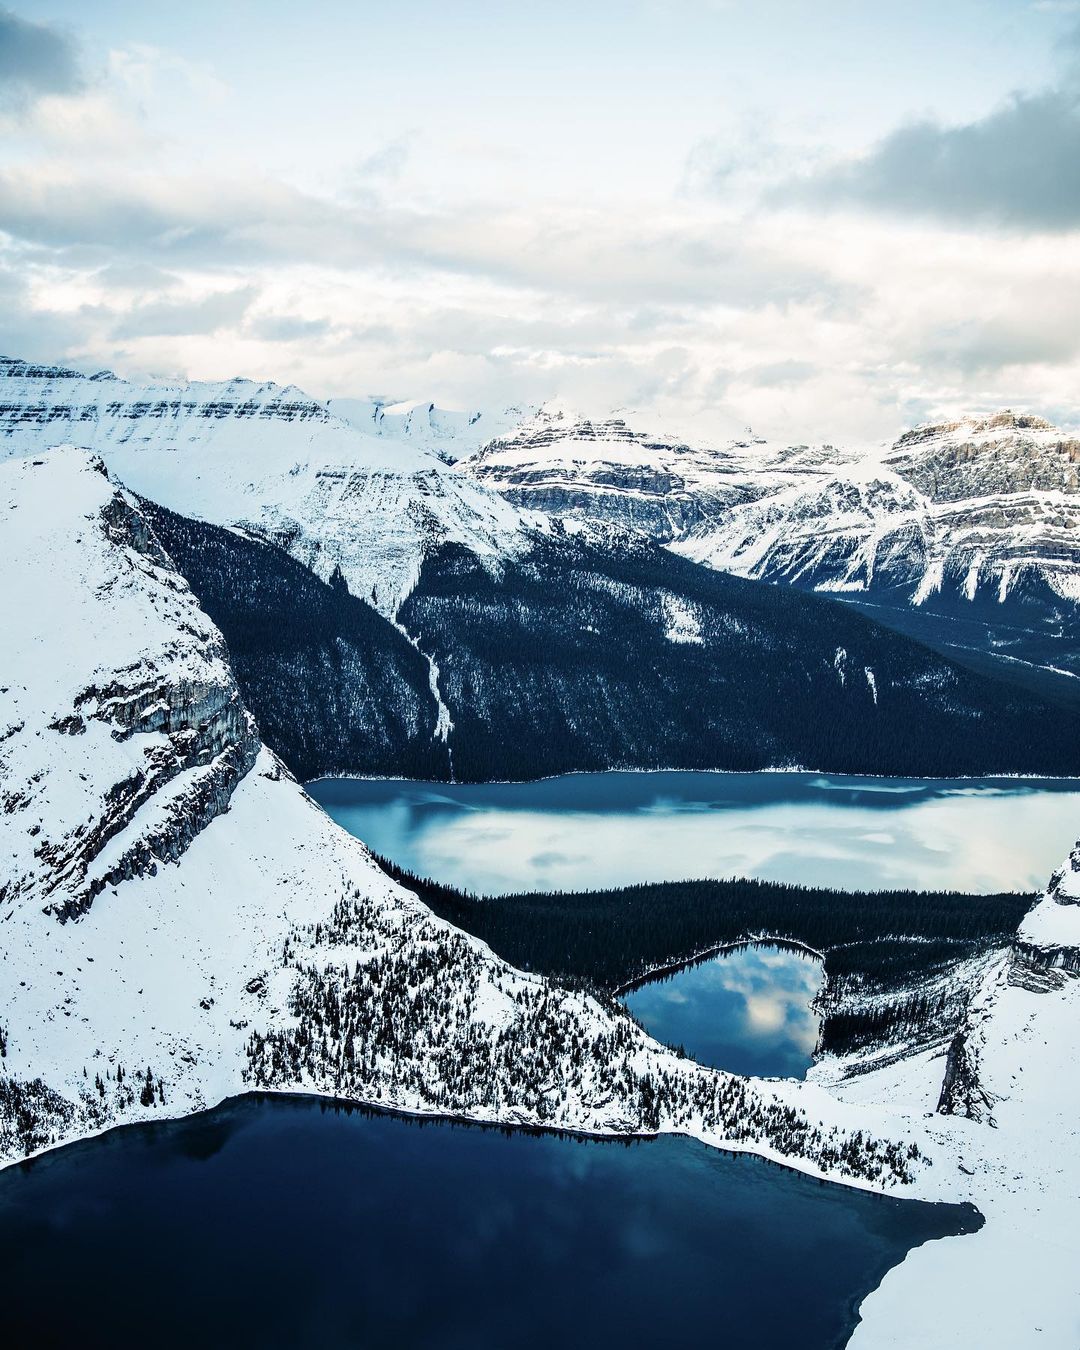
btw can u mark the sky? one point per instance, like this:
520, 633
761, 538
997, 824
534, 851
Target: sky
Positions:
825, 221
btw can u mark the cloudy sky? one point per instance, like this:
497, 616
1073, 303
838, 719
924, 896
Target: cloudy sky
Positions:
825, 219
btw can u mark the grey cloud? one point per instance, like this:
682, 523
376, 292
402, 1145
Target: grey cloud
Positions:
245, 224
144, 277
175, 318
40, 335
777, 374
1019, 167
35, 59
984, 348
287, 328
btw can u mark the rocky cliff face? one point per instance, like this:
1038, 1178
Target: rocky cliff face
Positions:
1047, 948
969, 512
977, 511
966, 536
1044, 960
120, 750
607, 472
988, 456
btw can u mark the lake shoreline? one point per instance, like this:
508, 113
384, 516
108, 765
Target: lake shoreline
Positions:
580, 1205
658, 972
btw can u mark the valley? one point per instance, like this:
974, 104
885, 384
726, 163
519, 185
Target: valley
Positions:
183, 924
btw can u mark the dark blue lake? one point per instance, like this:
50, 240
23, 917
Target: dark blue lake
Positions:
284, 1223
746, 1010
616, 829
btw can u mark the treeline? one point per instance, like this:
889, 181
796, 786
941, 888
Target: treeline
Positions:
402, 1022
879, 947
333, 685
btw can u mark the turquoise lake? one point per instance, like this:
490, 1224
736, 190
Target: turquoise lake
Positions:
613, 829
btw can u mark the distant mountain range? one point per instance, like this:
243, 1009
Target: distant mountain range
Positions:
974, 521
483, 606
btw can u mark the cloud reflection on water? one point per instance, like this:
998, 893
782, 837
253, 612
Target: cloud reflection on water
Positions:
974, 841
747, 1010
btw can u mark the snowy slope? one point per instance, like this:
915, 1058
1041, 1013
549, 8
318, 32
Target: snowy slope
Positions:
240, 938
977, 509
608, 472
1011, 1127
450, 433
128, 700
269, 458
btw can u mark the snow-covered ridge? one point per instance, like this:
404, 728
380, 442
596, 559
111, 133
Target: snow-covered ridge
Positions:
982, 507
450, 433
54, 397
605, 471
1002, 1111
271, 459
978, 509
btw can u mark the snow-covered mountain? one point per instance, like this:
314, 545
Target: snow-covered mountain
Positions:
181, 922
969, 522
450, 433
606, 471
270, 458
976, 508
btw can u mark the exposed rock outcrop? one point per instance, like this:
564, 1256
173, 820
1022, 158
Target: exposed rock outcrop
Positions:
103, 781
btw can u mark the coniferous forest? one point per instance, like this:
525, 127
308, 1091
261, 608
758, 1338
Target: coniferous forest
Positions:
885, 953
579, 659
334, 686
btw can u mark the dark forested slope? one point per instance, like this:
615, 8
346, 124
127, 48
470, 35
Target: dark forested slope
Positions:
888, 954
581, 658
577, 658
333, 685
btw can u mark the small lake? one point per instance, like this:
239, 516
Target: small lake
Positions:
746, 1010
615, 829
285, 1223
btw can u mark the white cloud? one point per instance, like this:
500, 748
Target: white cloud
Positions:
121, 246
